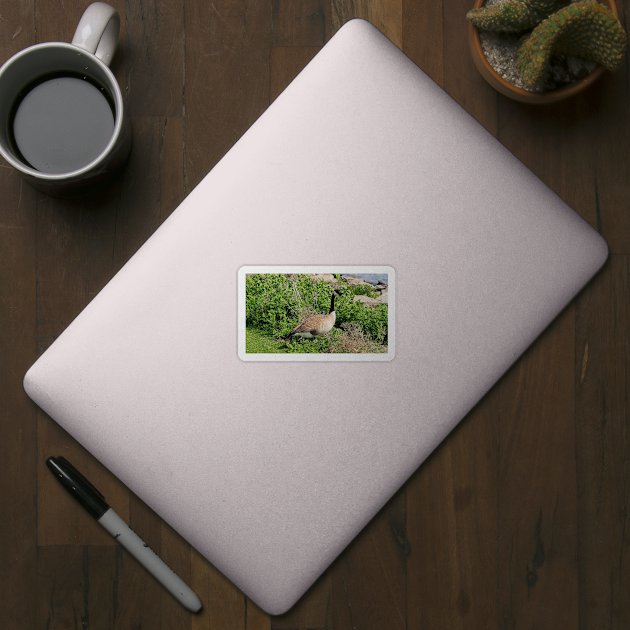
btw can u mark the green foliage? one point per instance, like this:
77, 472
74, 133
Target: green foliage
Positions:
269, 302
372, 319
276, 303
364, 289
584, 29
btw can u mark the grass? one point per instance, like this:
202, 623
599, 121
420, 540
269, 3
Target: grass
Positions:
260, 341
349, 340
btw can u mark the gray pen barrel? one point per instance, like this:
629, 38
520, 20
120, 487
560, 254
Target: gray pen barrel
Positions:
149, 559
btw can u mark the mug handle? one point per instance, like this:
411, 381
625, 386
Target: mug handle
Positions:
98, 30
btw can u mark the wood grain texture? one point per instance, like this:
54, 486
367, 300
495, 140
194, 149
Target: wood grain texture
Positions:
602, 381
154, 57
224, 606
76, 587
422, 36
18, 324
226, 78
537, 536
369, 577
313, 610
285, 64
153, 606
518, 520
461, 79
18, 417
386, 15
452, 527
303, 23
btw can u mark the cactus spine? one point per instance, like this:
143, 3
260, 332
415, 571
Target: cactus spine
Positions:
513, 16
583, 29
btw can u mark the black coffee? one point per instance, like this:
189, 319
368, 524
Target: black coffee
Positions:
62, 123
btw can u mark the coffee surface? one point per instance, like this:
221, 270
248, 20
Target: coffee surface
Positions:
62, 124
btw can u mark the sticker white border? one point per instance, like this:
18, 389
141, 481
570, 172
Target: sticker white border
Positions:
340, 269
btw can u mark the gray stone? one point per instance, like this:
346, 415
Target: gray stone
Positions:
368, 301
326, 277
354, 281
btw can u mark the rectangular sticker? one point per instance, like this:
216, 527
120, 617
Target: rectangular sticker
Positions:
316, 313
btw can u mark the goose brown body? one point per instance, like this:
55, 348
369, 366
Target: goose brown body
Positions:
317, 325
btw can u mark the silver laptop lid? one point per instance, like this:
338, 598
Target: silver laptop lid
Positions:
270, 468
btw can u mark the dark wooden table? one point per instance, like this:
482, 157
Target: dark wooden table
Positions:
518, 520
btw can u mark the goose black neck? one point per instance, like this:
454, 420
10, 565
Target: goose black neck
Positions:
332, 303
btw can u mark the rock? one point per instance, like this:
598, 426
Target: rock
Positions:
326, 277
368, 301
354, 281
381, 299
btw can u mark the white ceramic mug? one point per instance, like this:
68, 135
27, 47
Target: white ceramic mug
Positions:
85, 60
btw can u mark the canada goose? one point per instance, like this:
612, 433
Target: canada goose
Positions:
317, 325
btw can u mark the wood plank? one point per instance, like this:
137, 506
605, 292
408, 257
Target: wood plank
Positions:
608, 127
603, 443
255, 618
140, 600
423, 36
18, 419
461, 78
369, 588
224, 606
17, 28
226, 78
18, 415
386, 15
171, 159
313, 610
537, 538
76, 587
303, 23
143, 600
576, 147
558, 148
152, 185
285, 64
452, 527
154, 60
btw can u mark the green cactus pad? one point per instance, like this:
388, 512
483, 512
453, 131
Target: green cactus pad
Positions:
513, 16
583, 29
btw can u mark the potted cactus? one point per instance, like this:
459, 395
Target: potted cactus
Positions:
558, 49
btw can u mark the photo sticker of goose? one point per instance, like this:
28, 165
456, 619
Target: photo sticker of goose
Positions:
315, 313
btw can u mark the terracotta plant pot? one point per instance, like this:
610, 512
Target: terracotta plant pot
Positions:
519, 94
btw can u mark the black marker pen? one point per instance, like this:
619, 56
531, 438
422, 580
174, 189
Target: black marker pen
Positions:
94, 502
